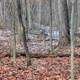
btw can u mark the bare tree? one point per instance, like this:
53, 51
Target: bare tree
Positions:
72, 32
66, 26
72, 44
39, 12
19, 8
60, 22
29, 12
51, 47
13, 36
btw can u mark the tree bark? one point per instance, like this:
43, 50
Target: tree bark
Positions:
19, 8
65, 13
51, 47
72, 32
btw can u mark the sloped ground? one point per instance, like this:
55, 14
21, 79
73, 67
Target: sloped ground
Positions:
34, 45
56, 68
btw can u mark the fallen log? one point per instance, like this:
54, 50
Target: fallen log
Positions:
39, 55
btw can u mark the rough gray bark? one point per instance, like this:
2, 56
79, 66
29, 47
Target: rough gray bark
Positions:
14, 34
39, 12
24, 33
66, 21
28, 12
72, 32
51, 47
60, 22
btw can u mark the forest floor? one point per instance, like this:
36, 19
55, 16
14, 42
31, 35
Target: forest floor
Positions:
48, 68
56, 68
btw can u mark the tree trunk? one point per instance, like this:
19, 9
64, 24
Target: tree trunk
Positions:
19, 8
39, 12
51, 47
72, 32
13, 36
65, 13
60, 23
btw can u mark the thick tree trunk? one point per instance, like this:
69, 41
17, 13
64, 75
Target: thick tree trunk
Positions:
65, 13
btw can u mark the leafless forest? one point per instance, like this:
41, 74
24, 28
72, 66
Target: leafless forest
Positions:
39, 39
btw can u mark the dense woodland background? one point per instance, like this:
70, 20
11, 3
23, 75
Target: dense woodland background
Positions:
36, 13
40, 29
